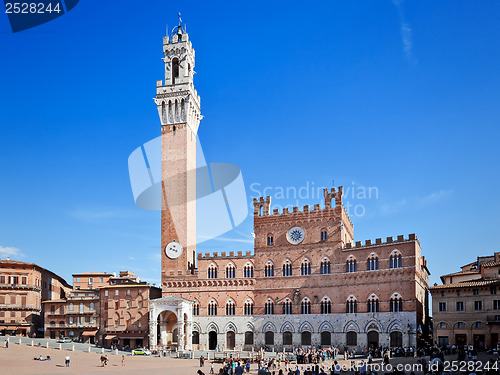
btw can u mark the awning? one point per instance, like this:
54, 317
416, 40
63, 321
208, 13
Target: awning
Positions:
2, 327
109, 337
132, 335
89, 333
13, 328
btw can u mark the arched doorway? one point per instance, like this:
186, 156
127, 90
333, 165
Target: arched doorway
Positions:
269, 338
306, 338
248, 338
372, 339
169, 313
326, 338
212, 340
230, 340
167, 333
396, 339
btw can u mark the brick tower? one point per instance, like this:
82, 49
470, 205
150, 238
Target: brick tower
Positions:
179, 110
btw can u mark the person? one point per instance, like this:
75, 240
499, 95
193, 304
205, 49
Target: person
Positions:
362, 368
199, 372
67, 361
212, 368
6, 344
123, 360
202, 361
238, 370
248, 365
336, 368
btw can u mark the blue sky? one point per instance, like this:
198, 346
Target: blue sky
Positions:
401, 96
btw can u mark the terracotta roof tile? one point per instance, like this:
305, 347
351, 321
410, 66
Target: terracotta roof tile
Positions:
466, 284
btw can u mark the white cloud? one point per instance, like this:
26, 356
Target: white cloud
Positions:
131, 258
11, 252
406, 31
435, 197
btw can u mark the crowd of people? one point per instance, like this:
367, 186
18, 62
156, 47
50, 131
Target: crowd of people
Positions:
333, 361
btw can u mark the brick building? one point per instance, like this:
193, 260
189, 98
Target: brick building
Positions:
466, 308
77, 315
124, 311
102, 308
307, 282
23, 288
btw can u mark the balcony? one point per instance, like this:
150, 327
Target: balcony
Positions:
21, 287
73, 326
11, 307
83, 298
493, 319
84, 312
54, 313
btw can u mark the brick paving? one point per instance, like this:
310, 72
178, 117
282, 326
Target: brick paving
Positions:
18, 360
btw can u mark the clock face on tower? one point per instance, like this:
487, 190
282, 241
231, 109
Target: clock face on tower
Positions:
295, 235
173, 250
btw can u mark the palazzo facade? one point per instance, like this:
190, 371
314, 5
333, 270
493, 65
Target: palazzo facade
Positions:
307, 281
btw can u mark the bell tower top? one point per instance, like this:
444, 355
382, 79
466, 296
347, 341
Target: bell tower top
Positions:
177, 100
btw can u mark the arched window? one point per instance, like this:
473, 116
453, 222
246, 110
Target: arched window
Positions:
270, 240
305, 306
230, 271
249, 307
269, 307
350, 264
248, 270
287, 268
92, 306
395, 261
196, 308
212, 271
351, 305
372, 262
175, 69
323, 234
305, 267
287, 306
325, 266
212, 308
373, 304
164, 113
326, 306
70, 308
52, 309
396, 303
269, 269
230, 307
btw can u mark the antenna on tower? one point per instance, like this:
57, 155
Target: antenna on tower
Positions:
167, 30
180, 19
